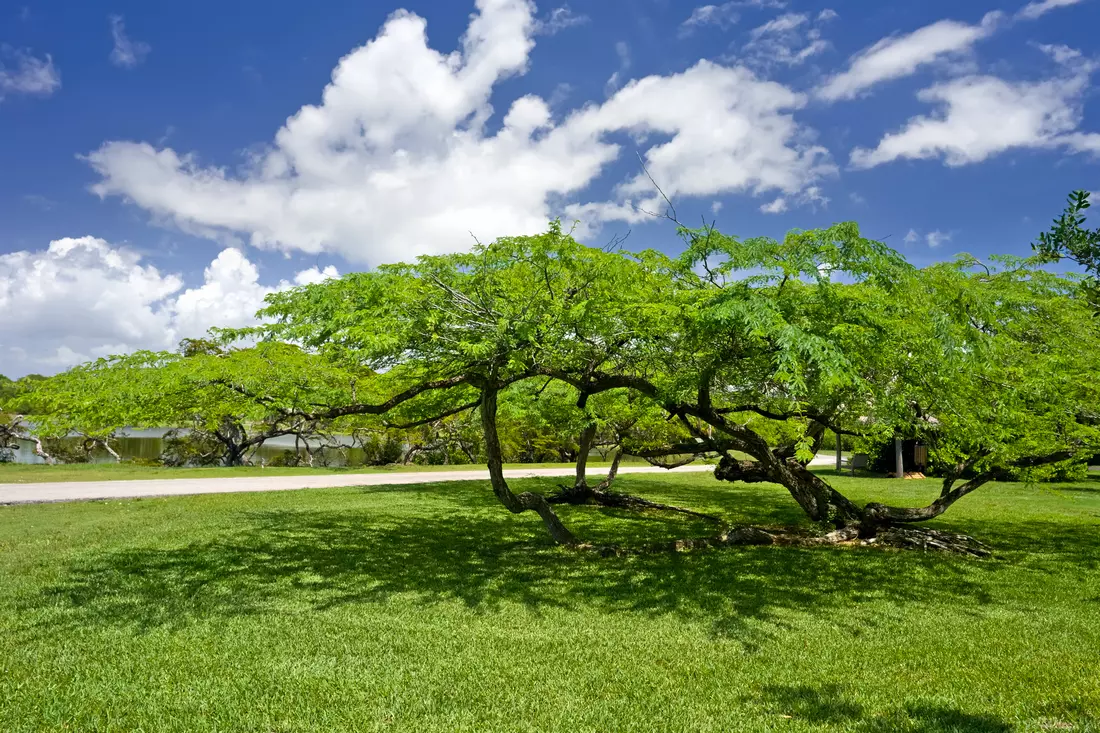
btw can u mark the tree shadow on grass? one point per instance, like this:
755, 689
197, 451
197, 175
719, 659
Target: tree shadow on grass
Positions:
832, 705
459, 547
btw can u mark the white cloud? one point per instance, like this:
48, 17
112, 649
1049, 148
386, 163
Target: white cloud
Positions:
30, 75
127, 53
396, 161
782, 24
826, 15
778, 206
936, 238
899, 56
782, 41
911, 237
715, 207
83, 298
558, 20
1031, 11
723, 16
812, 197
622, 50
1082, 142
982, 116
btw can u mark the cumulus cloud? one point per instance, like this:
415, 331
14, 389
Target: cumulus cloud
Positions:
899, 56
777, 206
982, 116
127, 53
911, 237
83, 298
1031, 11
396, 160
22, 73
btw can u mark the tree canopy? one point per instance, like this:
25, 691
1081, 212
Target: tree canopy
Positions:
743, 351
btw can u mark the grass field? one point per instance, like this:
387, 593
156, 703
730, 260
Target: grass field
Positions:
430, 608
21, 473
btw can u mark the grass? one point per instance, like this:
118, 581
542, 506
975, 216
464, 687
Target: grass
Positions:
22, 473
430, 608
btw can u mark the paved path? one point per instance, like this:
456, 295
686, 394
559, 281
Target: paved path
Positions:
87, 490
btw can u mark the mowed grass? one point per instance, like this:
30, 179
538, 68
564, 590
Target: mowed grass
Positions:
430, 608
24, 473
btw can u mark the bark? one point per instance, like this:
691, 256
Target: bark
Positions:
515, 503
883, 515
821, 502
613, 471
107, 446
40, 450
588, 435
922, 538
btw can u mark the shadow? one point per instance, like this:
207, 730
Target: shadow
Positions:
449, 542
831, 704
321, 559
825, 705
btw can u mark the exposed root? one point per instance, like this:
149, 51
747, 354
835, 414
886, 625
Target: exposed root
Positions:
598, 497
921, 538
899, 537
737, 536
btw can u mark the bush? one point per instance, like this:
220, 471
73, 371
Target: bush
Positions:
380, 449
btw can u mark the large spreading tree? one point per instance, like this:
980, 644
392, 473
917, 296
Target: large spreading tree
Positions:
824, 330
747, 352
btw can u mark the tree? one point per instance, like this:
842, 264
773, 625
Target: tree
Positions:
1069, 239
736, 344
229, 400
1000, 358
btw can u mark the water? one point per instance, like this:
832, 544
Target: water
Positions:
149, 444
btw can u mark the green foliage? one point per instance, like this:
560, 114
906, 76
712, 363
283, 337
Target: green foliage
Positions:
759, 346
1069, 239
229, 400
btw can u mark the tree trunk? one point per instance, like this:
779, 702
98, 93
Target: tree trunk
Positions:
821, 502
515, 503
107, 446
41, 451
587, 436
613, 471
234, 455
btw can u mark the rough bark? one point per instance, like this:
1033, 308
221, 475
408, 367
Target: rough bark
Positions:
821, 502
588, 435
515, 503
612, 472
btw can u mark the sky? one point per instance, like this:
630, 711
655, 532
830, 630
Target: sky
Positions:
164, 166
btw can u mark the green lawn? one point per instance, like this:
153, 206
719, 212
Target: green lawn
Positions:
430, 608
20, 473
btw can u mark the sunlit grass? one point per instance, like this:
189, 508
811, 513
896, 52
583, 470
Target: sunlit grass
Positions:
430, 608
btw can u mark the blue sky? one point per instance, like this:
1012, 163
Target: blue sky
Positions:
166, 165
